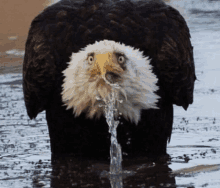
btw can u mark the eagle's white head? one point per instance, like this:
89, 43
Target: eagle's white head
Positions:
92, 69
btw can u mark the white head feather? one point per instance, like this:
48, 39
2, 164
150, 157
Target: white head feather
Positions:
138, 82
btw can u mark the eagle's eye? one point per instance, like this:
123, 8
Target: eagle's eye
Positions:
90, 59
121, 59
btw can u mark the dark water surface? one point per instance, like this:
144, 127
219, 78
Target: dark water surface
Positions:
25, 158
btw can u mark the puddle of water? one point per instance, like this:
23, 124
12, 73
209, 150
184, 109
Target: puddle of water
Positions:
22, 143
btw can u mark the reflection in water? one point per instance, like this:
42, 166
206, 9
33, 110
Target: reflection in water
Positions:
73, 172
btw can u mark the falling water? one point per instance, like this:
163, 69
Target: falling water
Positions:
116, 174
115, 148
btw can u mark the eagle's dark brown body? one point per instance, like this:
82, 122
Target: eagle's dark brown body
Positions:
158, 30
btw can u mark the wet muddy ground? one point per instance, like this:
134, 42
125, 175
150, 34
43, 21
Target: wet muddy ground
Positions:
25, 158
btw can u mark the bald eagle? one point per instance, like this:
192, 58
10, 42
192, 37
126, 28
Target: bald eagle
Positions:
75, 49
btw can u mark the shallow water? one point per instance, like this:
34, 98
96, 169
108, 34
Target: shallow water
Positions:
25, 158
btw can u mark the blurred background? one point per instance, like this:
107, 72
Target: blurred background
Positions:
15, 20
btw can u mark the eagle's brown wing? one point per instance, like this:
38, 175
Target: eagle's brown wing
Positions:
38, 71
161, 33
48, 45
174, 61
54, 35
156, 29
167, 43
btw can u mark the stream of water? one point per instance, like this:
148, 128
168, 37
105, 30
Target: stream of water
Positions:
115, 148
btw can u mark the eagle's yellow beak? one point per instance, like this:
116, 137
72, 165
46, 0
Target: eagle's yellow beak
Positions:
106, 63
